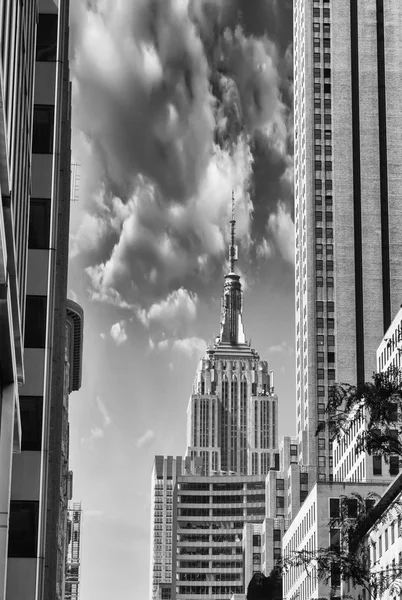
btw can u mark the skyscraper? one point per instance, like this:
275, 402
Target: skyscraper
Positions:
201, 505
348, 209
233, 411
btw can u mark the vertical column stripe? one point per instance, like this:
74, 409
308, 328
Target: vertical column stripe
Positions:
382, 130
357, 201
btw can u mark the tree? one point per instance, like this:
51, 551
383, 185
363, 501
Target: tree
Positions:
378, 404
265, 588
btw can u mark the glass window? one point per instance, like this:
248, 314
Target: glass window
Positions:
23, 533
331, 357
320, 391
319, 282
377, 465
321, 444
331, 340
280, 484
331, 323
39, 223
42, 140
319, 306
280, 502
46, 37
330, 282
320, 357
35, 322
331, 374
31, 422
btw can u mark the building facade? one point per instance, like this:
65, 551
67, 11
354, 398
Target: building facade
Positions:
73, 560
348, 210
34, 226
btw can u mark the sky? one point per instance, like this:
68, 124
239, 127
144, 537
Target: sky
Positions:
175, 104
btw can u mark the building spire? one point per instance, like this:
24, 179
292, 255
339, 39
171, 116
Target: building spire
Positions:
233, 247
232, 304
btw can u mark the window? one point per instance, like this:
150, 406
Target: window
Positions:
320, 340
328, 166
377, 465
280, 502
321, 408
331, 357
330, 305
320, 323
31, 422
35, 322
318, 232
320, 373
318, 215
319, 282
327, 86
320, 357
327, 72
39, 223
330, 282
328, 134
318, 167
277, 535
318, 248
280, 484
330, 249
331, 340
331, 374
319, 306
333, 507
23, 533
331, 323
319, 265
46, 37
320, 391
303, 478
42, 140
321, 461
393, 465
293, 450
321, 444
318, 199
256, 540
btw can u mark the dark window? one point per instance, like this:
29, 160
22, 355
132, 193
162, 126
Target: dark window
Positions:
46, 37
328, 165
256, 540
31, 422
318, 232
318, 166
293, 449
277, 535
321, 408
321, 444
333, 507
303, 478
330, 282
280, 502
327, 87
377, 465
319, 306
321, 391
320, 340
331, 374
320, 357
331, 357
280, 484
39, 223
327, 72
330, 305
35, 322
42, 141
327, 43
23, 533
277, 553
303, 495
320, 323
319, 282
317, 86
331, 323
330, 249
331, 340
393, 465
318, 248
318, 215
317, 119
317, 134
319, 265
318, 184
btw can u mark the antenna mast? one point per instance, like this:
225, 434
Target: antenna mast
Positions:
233, 247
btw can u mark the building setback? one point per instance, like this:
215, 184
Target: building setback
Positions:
348, 205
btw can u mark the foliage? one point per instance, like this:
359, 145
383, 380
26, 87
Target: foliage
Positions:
347, 558
379, 403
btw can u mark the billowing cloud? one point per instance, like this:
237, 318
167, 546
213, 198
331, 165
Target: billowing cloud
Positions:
118, 332
147, 437
190, 346
281, 227
175, 106
177, 309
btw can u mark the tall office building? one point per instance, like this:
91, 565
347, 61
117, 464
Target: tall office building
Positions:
34, 225
348, 209
233, 412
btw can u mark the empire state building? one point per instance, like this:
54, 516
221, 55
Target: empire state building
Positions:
233, 412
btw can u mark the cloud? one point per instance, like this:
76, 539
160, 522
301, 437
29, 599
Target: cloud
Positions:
283, 347
264, 249
281, 227
178, 308
96, 433
103, 411
169, 98
118, 332
190, 346
147, 437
